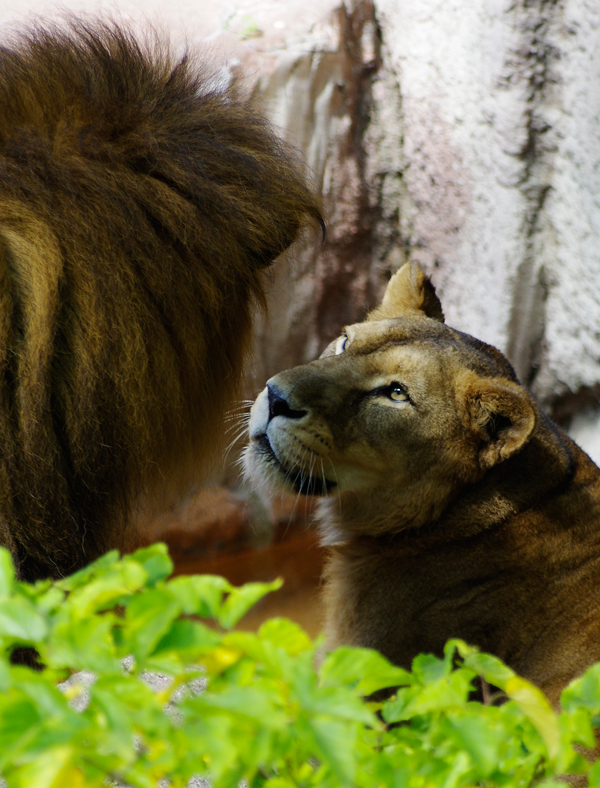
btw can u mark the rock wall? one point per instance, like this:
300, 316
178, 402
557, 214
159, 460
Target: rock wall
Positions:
466, 137
338, 106
501, 123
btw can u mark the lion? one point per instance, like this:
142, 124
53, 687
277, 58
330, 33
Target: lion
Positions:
451, 505
142, 196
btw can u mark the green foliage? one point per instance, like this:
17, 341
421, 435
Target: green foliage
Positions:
173, 696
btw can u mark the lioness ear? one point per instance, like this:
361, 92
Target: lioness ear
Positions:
409, 294
501, 413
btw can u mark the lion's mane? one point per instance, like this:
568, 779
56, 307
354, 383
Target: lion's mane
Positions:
140, 198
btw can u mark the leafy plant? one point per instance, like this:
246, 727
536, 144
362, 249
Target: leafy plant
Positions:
138, 688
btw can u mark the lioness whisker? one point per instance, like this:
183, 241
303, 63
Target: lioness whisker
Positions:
300, 461
323, 474
240, 462
242, 403
239, 409
312, 465
239, 426
239, 433
235, 439
238, 417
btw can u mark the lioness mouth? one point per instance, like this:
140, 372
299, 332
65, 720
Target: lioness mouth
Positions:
301, 481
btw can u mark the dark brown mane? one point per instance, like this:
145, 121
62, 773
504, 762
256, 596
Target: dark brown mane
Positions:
140, 197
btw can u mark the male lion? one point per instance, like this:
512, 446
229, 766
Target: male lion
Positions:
452, 505
140, 200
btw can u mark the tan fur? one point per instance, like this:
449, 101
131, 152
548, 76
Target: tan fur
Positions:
453, 506
139, 203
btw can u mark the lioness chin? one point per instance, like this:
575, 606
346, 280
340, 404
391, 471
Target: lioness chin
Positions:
453, 507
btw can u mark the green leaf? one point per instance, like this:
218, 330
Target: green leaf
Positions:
188, 639
286, 634
551, 784
337, 702
479, 735
428, 669
50, 600
149, 617
361, 669
53, 769
7, 573
155, 561
240, 600
200, 595
459, 767
19, 719
334, 701
493, 670
84, 645
584, 691
447, 692
117, 717
253, 703
48, 699
593, 775
536, 707
335, 745
5, 674
85, 575
577, 726
56, 732
121, 706
20, 620
102, 592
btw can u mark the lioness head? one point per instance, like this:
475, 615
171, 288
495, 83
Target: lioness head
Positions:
393, 420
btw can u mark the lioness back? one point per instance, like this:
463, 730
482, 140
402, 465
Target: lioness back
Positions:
140, 198
452, 506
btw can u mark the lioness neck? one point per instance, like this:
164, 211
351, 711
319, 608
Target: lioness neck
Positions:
475, 571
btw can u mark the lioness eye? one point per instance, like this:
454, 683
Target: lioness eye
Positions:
340, 345
397, 393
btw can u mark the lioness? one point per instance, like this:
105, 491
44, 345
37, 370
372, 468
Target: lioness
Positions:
452, 505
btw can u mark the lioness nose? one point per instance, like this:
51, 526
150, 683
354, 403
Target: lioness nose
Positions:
278, 405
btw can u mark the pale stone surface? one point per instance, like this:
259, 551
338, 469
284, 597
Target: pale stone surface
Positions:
501, 114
